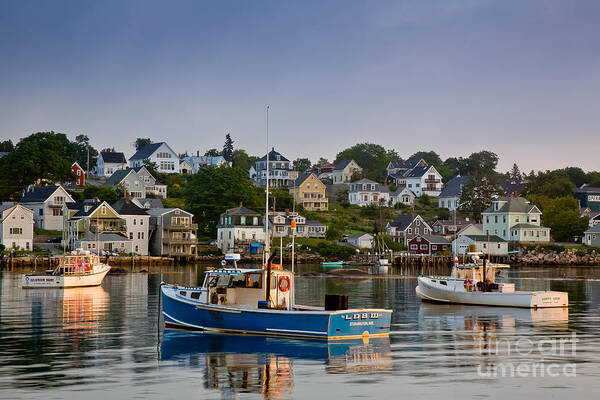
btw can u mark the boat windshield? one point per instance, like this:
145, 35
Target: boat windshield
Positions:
243, 280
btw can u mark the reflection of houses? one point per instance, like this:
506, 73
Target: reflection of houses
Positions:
405, 227
365, 192
450, 196
96, 226
309, 192
428, 244
172, 232
16, 227
491, 244
281, 172
47, 202
344, 170
514, 219
281, 225
361, 240
240, 230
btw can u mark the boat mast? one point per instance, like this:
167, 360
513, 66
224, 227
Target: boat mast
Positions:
267, 250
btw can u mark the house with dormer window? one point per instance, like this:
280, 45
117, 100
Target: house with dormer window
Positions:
398, 170
129, 181
239, 230
161, 154
47, 203
309, 192
281, 172
280, 223
365, 192
514, 219
424, 180
404, 227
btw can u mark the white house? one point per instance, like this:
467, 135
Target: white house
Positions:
185, 167
209, 161
109, 162
166, 160
47, 202
591, 237
361, 240
238, 229
424, 180
493, 244
398, 170
281, 222
365, 192
137, 222
450, 196
403, 195
16, 227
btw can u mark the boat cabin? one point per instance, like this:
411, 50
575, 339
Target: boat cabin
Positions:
481, 274
79, 262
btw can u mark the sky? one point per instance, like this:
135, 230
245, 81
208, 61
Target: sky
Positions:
519, 78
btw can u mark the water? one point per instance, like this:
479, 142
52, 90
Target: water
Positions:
102, 342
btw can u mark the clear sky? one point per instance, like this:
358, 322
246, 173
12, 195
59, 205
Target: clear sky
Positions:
520, 78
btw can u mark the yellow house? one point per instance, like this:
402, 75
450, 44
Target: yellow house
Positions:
309, 191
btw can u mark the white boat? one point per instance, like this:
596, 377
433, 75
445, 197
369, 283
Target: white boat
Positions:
80, 268
475, 283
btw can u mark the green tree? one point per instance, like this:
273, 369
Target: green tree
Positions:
482, 163
104, 193
477, 195
549, 183
152, 168
7, 146
43, 157
562, 216
515, 174
242, 160
212, 190
211, 153
82, 142
373, 158
430, 157
227, 152
141, 142
302, 164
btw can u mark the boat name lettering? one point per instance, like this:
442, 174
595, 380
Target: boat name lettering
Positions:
357, 323
42, 279
350, 317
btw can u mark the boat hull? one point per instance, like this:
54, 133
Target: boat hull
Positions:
434, 292
65, 281
179, 312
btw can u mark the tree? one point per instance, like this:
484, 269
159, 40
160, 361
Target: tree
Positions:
482, 163
242, 160
576, 175
43, 157
477, 195
457, 165
515, 174
227, 152
7, 146
322, 162
212, 190
301, 164
82, 143
373, 158
103, 193
430, 157
562, 216
211, 153
550, 183
152, 168
141, 142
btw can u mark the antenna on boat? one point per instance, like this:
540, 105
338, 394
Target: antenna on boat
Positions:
267, 249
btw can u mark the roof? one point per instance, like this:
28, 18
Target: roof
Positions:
402, 221
83, 213
3, 153
587, 190
273, 156
341, 165
204, 160
302, 177
477, 226
527, 226
594, 229
453, 187
359, 235
314, 223
117, 176
106, 237
152, 203
511, 187
512, 205
434, 239
486, 238
38, 194
241, 211
113, 157
73, 205
418, 172
4, 207
401, 188
126, 207
161, 211
408, 164
365, 180
146, 151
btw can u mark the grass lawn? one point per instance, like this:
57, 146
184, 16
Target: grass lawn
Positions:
46, 232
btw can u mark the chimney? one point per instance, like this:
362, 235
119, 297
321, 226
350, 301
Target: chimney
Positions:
197, 153
96, 200
149, 144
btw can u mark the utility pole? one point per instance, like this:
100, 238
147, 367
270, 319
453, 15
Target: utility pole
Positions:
87, 171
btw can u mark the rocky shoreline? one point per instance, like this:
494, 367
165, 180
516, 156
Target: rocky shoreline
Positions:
545, 256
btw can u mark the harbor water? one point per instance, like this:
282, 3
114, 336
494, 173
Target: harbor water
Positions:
108, 342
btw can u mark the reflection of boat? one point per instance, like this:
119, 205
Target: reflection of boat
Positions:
261, 301
83, 307
476, 284
341, 356
80, 268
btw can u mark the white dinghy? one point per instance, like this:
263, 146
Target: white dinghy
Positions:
475, 283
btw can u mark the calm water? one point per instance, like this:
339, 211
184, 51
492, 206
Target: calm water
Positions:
95, 343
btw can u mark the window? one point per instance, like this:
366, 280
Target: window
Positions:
242, 220
134, 221
487, 219
41, 211
131, 235
409, 231
139, 236
504, 218
423, 247
254, 220
496, 219
414, 247
103, 210
16, 231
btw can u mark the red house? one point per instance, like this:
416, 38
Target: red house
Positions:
79, 173
428, 244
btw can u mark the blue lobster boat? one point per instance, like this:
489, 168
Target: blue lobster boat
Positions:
261, 301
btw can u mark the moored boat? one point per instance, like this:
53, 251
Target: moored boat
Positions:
475, 283
332, 264
261, 301
78, 269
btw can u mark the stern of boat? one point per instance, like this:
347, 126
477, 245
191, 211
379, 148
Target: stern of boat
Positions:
362, 323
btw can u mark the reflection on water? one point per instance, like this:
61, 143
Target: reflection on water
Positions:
96, 341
